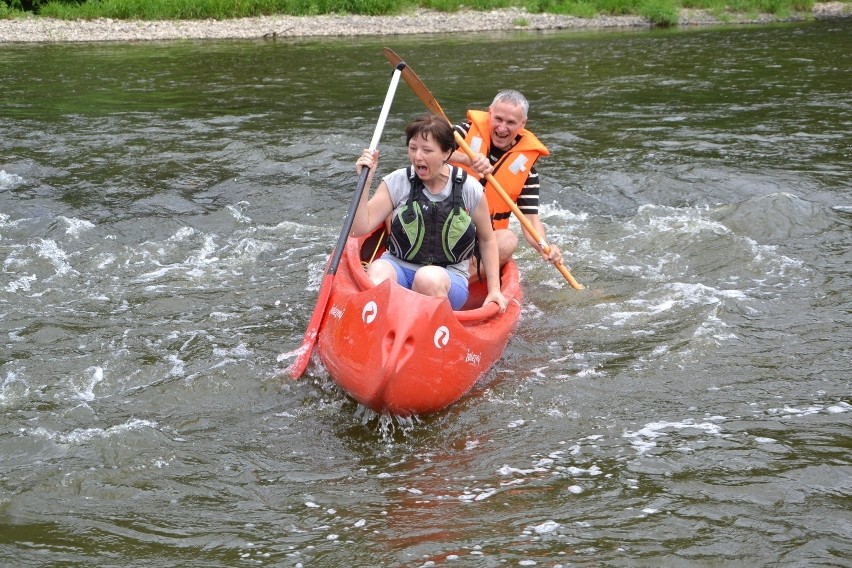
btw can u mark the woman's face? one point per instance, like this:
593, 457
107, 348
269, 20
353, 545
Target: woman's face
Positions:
426, 156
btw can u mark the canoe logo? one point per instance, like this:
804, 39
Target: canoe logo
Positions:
370, 311
442, 337
472, 358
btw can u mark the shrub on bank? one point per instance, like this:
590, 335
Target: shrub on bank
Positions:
662, 12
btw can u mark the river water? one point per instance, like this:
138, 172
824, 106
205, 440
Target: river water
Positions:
165, 214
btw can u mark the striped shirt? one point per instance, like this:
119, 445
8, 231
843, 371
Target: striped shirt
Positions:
528, 198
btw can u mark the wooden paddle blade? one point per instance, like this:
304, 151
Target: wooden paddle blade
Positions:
416, 85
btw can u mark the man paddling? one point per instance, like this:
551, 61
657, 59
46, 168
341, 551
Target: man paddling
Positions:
508, 151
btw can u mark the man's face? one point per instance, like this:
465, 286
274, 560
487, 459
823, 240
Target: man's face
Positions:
506, 120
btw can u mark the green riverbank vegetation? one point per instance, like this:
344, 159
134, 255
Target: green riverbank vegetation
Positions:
661, 12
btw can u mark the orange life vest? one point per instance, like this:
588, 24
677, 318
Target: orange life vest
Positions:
510, 171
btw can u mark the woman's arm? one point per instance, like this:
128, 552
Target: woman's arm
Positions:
490, 256
372, 211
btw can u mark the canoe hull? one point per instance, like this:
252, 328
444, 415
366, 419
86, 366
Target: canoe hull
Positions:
399, 352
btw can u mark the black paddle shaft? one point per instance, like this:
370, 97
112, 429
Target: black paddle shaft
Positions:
347, 224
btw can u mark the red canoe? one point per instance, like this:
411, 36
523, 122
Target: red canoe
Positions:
399, 352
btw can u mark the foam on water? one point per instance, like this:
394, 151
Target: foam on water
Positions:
84, 387
645, 438
50, 250
209, 259
84, 435
13, 390
82, 278
22, 283
9, 181
840, 407
668, 274
76, 226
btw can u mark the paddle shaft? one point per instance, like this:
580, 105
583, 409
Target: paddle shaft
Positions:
425, 95
521, 217
301, 362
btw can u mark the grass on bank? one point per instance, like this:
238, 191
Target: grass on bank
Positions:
661, 12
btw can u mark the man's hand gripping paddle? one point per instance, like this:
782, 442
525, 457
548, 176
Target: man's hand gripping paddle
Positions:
424, 95
298, 366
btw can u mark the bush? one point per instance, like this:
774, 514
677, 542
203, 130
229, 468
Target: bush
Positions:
617, 7
578, 8
663, 13
36, 5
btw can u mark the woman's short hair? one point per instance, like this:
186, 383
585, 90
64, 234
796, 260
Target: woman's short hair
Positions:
435, 126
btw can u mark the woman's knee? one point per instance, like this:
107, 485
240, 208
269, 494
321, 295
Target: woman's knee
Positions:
380, 270
431, 281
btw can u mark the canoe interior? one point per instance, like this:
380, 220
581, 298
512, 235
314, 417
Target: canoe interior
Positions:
374, 246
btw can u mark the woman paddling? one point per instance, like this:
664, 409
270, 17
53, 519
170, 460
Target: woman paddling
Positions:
439, 218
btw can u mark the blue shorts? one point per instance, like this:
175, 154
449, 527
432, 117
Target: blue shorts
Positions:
458, 283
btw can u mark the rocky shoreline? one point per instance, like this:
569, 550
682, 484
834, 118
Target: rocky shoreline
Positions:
48, 30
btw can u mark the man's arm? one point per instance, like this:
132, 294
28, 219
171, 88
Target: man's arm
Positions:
528, 202
555, 255
480, 164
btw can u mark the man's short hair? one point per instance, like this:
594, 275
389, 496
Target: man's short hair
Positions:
514, 98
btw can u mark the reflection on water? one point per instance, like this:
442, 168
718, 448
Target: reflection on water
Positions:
165, 214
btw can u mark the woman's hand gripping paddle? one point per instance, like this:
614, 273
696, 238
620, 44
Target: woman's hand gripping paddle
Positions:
424, 95
298, 366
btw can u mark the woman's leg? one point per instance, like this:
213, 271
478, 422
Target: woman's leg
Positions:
458, 290
381, 270
439, 282
432, 281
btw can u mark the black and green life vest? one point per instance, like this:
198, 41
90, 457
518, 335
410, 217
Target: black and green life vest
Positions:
433, 232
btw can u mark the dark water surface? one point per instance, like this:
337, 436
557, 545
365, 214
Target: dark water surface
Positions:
165, 213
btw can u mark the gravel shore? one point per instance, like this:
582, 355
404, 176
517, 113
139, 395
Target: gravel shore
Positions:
32, 30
